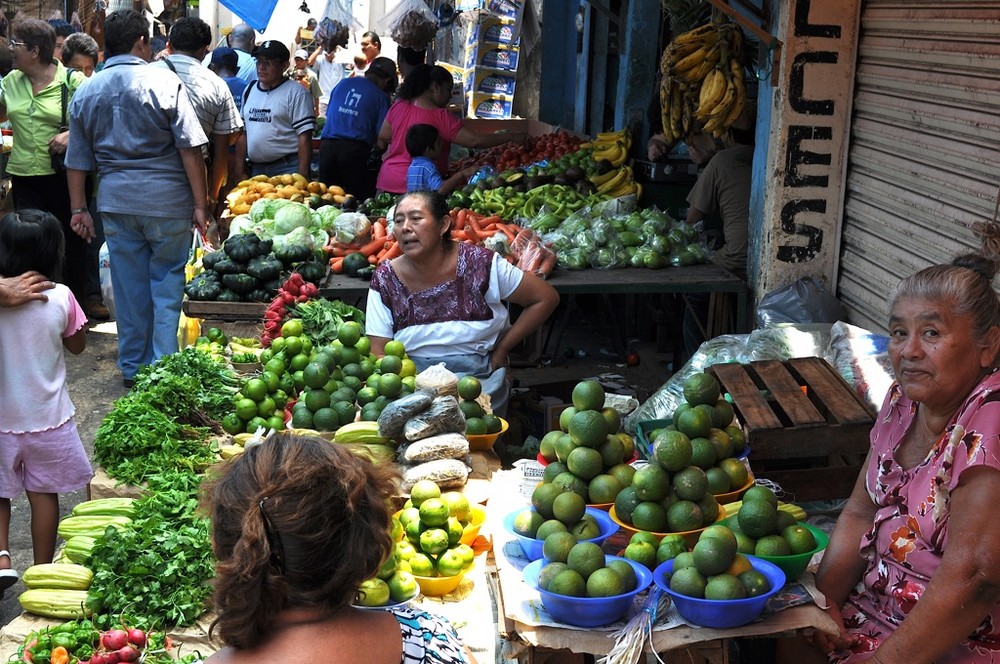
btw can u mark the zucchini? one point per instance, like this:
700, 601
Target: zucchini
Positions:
66, 576
54, 603
91, 526
107, 506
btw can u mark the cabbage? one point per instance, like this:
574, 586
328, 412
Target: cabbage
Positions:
300, 235
242, 223
351, 227
266, 208
327, 214
291, 216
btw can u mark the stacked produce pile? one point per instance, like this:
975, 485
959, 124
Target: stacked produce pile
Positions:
81, 642
702, 87
534, 149
291, 187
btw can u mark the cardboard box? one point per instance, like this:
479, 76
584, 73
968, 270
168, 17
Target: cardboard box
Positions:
492, 30
494, 56
510, 9
491, 106
458, 87
484, 80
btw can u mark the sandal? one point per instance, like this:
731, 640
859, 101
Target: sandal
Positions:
8, 577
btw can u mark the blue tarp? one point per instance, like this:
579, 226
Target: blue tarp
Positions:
255, 13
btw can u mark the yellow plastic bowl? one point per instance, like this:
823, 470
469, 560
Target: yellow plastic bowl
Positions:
436, 586
477, 517
484, 441
733, 496
690, 536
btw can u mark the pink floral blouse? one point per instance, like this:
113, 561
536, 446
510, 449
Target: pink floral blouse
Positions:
910, 532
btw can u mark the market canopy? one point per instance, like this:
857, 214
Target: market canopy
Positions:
255, 13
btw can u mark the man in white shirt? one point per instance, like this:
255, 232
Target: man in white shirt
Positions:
329, 71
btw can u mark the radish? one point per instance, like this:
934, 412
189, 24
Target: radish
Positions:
128, 654
114, 639
137, 637
99, 658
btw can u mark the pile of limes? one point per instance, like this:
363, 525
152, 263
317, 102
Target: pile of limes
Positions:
555, 511
393, 583
477, 420
675, 492
582, 570
650, 550
432, 527
715, 569
587, 454
764, 530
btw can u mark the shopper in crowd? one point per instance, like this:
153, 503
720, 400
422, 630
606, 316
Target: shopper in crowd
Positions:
722, 190
279, 118
328, 70
357, 108
423, 142
80, 52
371, 48
31, 97
188, 43
24, 288
224, 62
242, 39
158, 149
306, 77
62, 30
277, 512
305, 37
409, 59
423, 99
910, 573
40, 448
444, 300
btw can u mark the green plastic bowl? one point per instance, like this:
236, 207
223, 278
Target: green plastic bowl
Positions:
795, 564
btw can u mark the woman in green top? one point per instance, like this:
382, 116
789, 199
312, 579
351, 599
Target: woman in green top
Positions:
31, 97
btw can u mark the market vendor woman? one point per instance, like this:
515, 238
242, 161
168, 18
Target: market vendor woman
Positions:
444, 299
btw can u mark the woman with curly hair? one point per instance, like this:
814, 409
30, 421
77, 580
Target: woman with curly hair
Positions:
297, 525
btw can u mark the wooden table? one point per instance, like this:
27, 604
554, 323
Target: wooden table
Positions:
707, 278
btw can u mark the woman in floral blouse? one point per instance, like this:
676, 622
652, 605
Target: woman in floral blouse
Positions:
912, 572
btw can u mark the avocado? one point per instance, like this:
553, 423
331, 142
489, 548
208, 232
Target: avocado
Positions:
350, 204
585, 186
604, 166
563, 179
575, 173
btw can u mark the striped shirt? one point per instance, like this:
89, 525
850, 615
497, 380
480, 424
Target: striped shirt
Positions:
210, 95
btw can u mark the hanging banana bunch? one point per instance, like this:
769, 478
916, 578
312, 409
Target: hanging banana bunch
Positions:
702, 86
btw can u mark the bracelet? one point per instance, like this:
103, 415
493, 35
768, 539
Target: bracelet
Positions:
79, 210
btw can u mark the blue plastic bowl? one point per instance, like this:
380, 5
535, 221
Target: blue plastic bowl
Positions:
588, 611
721, 613
533, 547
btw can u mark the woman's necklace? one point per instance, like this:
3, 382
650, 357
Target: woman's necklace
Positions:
42, 79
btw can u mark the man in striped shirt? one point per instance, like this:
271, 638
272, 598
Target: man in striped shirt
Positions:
187, 44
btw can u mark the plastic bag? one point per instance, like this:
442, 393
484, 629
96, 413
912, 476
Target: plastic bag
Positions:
104, 270
411, 24
443, 446
446, 473
804, 301
188, 329
351, 227
438, 379
443, 416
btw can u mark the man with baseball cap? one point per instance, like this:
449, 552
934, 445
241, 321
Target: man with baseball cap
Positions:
358, 106
306, 77
279, 118
225, 63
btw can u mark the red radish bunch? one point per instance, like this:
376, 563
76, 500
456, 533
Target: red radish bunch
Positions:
295, 289
119, 645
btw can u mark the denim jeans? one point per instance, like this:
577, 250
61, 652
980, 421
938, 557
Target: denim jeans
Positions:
147, 272
287, 164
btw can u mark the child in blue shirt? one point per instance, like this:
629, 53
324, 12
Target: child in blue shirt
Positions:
423, 142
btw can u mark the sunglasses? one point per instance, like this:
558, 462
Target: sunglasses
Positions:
14, 42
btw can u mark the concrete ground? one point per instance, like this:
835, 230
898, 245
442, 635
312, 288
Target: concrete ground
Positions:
95, 383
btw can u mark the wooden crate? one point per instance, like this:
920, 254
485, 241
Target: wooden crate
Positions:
228, 311
807, 429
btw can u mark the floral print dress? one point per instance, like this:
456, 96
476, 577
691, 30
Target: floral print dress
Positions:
910, 532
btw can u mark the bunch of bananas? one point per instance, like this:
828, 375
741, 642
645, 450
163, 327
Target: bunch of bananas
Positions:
617, 182
702, 87
611, 145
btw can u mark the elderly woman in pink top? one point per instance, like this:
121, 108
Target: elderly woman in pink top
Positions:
423, 99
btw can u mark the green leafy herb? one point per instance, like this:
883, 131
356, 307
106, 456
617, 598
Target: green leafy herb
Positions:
321, 318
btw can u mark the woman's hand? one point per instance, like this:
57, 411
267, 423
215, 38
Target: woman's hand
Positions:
656, 149
58, 143
830, 642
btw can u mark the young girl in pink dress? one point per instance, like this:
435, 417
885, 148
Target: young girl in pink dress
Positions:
40, 448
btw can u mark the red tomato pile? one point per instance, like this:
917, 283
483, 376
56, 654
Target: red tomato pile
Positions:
510, 155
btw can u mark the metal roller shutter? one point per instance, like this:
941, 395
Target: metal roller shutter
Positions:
924, 158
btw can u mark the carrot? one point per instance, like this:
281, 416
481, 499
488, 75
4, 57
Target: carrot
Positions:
506, 229
372, 247
490, 227
472, 234
457, 235
492, 219
460, 219
337, 264
338, 252
393, 251
473, 223
378, 231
